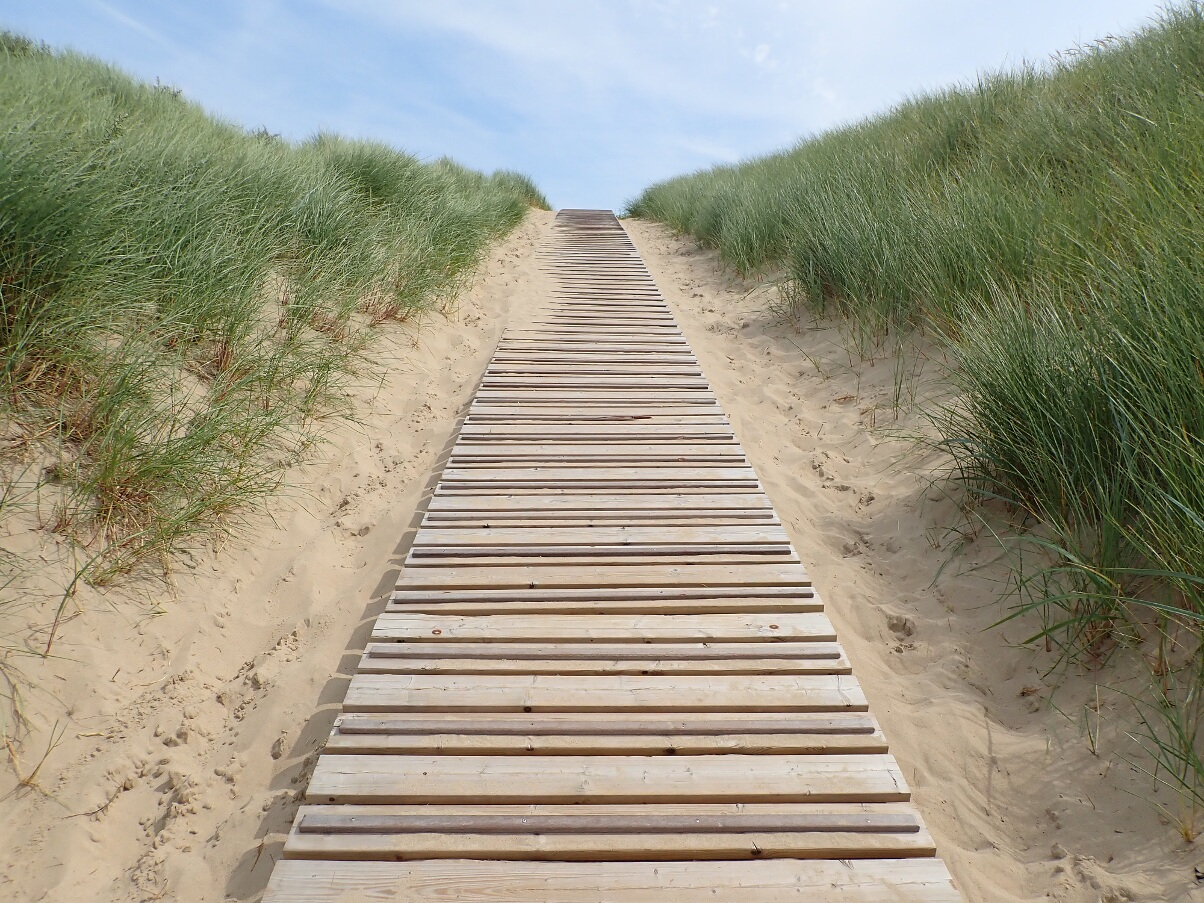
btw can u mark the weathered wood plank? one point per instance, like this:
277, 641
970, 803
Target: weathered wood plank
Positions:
599, 667
613, 724
547, 744
552, 577
642, 448
784, 592
604, 693
554, 473
894, 818
602, 501
659, 652
602, 847
597, 555
769, 627
588, 606
477, 881
606, 779
576, 536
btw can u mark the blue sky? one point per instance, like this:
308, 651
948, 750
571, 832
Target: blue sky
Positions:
593, 99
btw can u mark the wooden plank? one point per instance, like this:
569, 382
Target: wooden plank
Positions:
781, 592
521, 518
651, 446
792, 575
454, 665
594, 434
595, 330
771, 627
550, 744
610, 318
594, 345
628, 352
537, 519
707, 467
606, 779
635, 474
737, 605
604, 693
568, 487
548, 370
653, 652
675, 413
594, 847
488, 555
633, 454
603, 398
483, 881
604, 501
587, 667
893, 818
614, 384
601, 658
505, 477
613, 724
509, 412
595, 354
651, 399
776, 596
598, 350
575, 536
597, 556
625, 375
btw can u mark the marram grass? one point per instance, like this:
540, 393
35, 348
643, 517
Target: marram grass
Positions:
1048, 222
181, 300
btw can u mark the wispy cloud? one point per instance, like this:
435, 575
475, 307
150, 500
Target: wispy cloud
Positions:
131, 23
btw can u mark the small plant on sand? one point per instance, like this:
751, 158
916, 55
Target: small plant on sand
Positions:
1169, 730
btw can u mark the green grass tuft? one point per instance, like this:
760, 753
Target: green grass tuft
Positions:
182, 300
1048, 223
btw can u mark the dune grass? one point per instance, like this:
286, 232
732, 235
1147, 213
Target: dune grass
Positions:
181, 300
1047, 223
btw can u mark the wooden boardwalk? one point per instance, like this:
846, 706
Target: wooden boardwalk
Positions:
604, 675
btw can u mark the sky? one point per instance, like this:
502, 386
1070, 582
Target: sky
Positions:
594, 100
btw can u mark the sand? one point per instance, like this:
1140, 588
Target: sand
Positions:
189, 720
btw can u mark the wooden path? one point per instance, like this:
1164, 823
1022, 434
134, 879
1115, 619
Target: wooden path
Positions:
604, 675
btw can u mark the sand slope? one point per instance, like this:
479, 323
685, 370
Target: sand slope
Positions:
191, 720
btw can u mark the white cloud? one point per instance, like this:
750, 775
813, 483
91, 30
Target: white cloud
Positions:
131, 23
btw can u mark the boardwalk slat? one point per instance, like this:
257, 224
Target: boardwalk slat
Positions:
604, 693
476, 881
769, 627
607, 779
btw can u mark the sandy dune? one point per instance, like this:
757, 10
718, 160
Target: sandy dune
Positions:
190, 720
